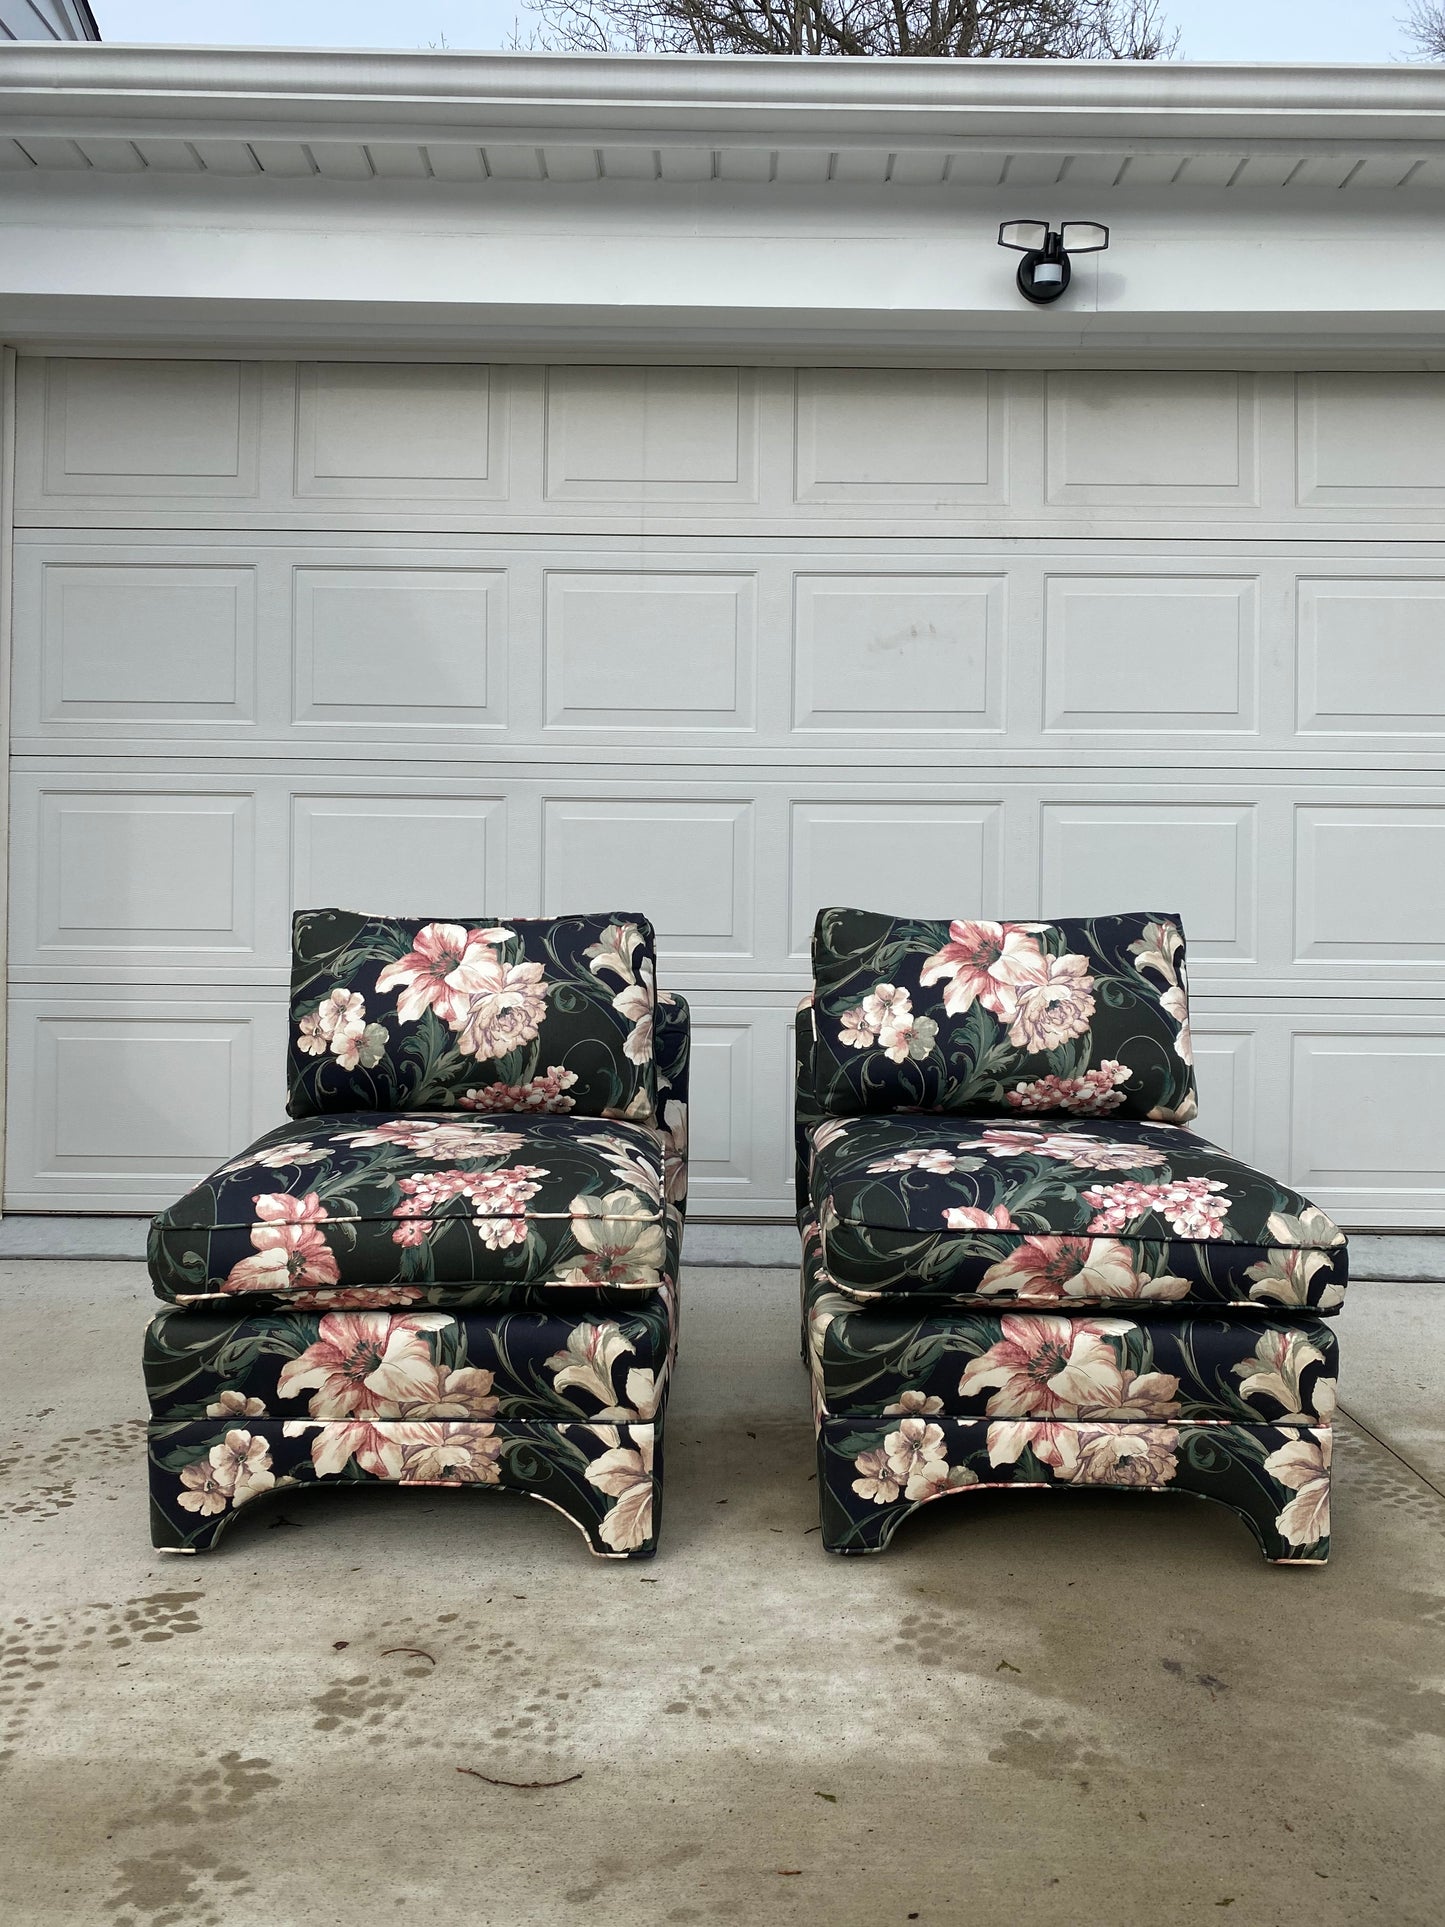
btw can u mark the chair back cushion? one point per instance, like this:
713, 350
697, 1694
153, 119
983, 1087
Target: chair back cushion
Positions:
420, 1014
1086, 1017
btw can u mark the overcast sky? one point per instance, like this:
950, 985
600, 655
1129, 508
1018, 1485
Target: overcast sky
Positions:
1300, 30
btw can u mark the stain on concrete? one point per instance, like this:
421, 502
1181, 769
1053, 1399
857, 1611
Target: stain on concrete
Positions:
186, 1886
1367, 1472
1046, 1747
33, 1650
616, 1870
356, 1702
40, 1481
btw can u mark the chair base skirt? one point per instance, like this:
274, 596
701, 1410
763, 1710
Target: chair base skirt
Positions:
606, 1479
873, 1473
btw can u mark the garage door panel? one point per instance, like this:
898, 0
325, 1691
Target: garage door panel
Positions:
1152, 655
918, 439
1371, 440
399, 855
125, 642
662, 650
1367, 1132
133, 877
1225, 1071
887, 652
1184, 657
634, 435
1368, 884
146, 429
121, 1103
434, 431
123, 865
1150, 439
958, 453
1369, 654
389, 648
739, 1122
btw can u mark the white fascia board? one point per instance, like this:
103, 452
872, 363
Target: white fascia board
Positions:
296, 94
764, 270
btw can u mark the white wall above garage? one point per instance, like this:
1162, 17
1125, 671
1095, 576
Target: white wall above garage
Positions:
697, 208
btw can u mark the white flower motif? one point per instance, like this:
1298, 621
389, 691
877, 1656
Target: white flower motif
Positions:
243, 1462
1302, 1466
624, 1473
236, 1405
913, 1404
624, 1243
593, 1350
1280, 1361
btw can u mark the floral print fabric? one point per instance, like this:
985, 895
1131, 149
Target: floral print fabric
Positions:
1066, 1213
1079, 1366
373, 1367
672, 1039
606, 1478
1085, 1018
540, 1016
412, 1209
873, 1473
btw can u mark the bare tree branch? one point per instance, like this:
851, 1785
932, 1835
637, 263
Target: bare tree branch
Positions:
1424, 24
957, 29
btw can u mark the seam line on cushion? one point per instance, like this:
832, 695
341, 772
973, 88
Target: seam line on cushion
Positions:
1116, 1237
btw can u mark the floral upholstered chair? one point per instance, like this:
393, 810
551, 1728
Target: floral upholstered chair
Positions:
457, 1264
1021, 1267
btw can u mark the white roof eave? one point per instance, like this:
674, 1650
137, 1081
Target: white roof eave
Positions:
291, 93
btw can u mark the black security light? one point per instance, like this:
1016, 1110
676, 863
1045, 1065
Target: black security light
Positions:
1044, 271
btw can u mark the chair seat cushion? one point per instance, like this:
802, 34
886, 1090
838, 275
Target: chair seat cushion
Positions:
589, 1361
913, 1361
1081, 1212
418, 1208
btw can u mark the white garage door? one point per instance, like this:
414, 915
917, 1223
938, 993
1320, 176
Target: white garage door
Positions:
727, 644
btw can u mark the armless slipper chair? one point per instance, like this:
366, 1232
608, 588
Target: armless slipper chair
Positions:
1021, 1268
457, 1265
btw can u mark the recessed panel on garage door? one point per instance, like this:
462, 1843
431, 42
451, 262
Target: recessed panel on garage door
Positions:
1150, 655
1368, 1127
114, 1104
156, 428
924, 438
651, 434
1224, 1063
1370, 883
131, 872
399, 432
1372, 440
1370, 655
898, 652
652, 650
399, 856
719, 1107
1165, 438
134, 642
378, 648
